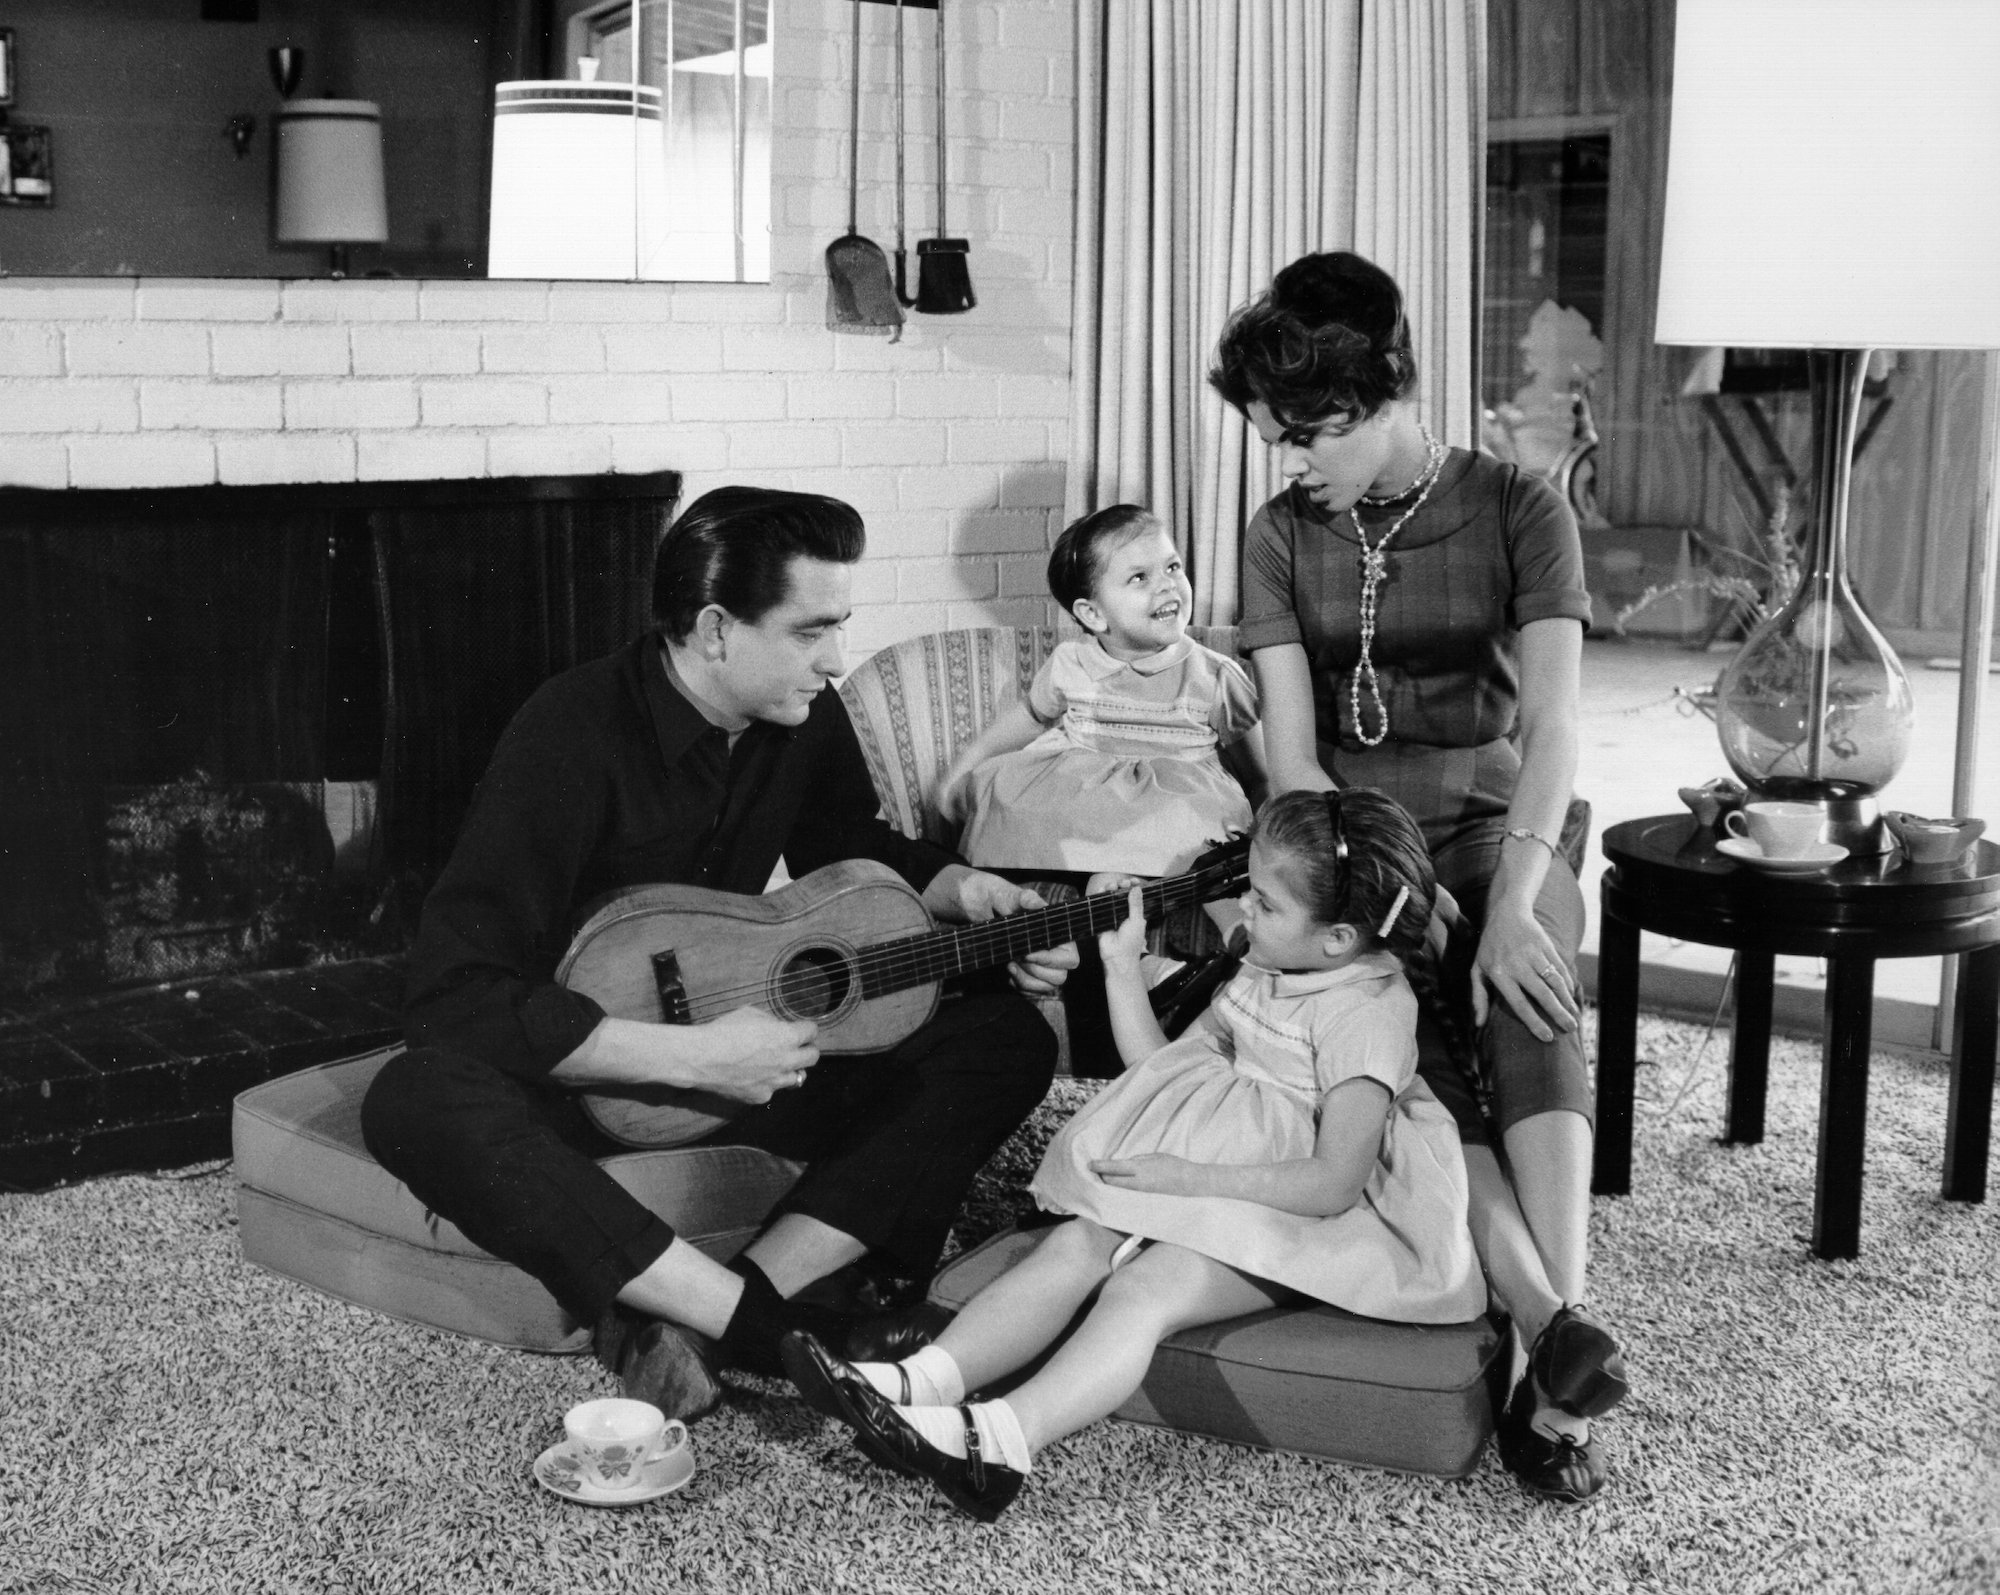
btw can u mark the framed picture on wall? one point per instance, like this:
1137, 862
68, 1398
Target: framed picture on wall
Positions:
27, 176
6, 66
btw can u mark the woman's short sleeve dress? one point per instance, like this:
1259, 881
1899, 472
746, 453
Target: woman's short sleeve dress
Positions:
1492, 550
1127, 776
1245, 1086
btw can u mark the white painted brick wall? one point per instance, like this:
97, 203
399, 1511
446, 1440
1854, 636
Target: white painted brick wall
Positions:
949, 441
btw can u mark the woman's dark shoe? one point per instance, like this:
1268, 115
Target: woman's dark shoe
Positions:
1578, 1365
974, 1485
1553, 1466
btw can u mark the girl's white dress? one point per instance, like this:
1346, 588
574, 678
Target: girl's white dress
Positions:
1245, 1085
1127, 777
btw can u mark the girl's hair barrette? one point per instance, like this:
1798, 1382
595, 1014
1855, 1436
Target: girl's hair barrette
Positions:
1395, 908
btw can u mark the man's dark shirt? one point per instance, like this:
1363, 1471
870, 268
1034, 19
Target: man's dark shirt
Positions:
610, 778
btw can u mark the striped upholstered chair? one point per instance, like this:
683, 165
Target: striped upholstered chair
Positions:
918, 703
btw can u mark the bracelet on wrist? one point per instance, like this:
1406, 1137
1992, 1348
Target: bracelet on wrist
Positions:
1527, 835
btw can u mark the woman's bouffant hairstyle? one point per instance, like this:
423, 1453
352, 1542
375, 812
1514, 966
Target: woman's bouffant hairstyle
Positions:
733, 547
1347, 854
1078, 557
1328, 340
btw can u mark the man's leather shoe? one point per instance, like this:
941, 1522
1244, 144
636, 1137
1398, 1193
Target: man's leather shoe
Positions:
974, 1485
1578, 1365
890, 1337
1554, 1467
666, 1364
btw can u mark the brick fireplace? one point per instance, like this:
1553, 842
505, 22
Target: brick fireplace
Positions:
238, 729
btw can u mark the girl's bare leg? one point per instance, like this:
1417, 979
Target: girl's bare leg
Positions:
1163, 1290
1018, 1317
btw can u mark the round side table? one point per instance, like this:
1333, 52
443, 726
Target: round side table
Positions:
1666, 876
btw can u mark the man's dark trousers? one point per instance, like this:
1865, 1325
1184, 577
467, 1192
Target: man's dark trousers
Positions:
892, 1140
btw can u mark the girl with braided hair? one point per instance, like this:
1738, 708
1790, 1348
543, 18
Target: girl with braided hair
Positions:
1283, 1148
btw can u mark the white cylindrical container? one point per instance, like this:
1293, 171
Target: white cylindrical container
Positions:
579, 180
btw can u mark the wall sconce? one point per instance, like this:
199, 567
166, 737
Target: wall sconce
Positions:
330, 188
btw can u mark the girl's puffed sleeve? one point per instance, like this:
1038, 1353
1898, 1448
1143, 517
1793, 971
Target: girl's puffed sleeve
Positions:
1046, 699
1373, 1040
1232, 712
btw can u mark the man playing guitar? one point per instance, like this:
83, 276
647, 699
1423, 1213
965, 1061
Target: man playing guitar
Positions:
697, 756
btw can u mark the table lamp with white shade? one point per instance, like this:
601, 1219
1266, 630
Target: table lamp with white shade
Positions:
330, 188
1833, 185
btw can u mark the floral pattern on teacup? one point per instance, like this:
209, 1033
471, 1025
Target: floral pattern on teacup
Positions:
563, 1472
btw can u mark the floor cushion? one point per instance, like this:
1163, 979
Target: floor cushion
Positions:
314, 1206
1412, 1398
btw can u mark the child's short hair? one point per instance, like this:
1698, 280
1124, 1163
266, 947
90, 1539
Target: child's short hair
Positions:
1078, 558
1349, 853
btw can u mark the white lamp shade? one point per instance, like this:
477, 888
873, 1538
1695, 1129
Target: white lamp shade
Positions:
1833, 176
579, 180
330, 173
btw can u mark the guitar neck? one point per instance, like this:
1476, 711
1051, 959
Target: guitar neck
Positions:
960, 949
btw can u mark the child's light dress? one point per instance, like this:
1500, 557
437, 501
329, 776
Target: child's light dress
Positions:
1244, 1085
1127, 776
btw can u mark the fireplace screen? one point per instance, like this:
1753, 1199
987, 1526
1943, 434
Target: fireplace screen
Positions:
239, 738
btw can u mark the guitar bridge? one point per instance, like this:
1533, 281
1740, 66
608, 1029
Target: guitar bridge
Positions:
672, 990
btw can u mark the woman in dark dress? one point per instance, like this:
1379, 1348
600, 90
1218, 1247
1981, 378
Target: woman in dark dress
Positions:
1415, 616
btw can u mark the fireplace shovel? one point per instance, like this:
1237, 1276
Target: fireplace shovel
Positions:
860, 297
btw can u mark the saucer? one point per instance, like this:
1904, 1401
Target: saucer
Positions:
557, 1469
1816, 857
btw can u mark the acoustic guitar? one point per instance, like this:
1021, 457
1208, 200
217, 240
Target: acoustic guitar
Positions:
850, 947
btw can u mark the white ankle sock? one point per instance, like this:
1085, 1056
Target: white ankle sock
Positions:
934, 1379
1000, 1436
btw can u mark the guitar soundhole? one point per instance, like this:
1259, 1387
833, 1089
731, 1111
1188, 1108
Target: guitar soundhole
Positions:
816, 982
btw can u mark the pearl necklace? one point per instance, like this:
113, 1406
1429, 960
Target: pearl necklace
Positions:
1375, 566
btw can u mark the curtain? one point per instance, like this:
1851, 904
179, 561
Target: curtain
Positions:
1216, 141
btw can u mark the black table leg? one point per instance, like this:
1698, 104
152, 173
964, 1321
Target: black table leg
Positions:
1617, 1051
1750, 1048
1843, 1106
1968, 1118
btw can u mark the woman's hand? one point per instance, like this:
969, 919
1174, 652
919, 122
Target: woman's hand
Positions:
1121, 949
1517, 959
1157, 1172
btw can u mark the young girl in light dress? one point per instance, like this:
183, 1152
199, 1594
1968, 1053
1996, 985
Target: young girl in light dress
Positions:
1282, 1148
1110, 763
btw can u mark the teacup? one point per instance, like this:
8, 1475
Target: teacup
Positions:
1778, 830
613, 1439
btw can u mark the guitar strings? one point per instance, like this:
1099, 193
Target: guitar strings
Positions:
888, 962
897, 965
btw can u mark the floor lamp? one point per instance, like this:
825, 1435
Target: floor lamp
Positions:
1833, 185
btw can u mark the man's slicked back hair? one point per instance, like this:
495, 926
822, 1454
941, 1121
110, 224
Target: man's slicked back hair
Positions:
734, 547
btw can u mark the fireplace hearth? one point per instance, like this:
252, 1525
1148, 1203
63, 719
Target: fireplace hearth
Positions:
238, 731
